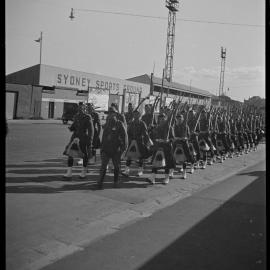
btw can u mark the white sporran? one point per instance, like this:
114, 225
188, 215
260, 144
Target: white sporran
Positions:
159, 159
179, 154
203, 145
133, 152
73, 149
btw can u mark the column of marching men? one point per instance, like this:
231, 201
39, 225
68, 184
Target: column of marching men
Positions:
180, 139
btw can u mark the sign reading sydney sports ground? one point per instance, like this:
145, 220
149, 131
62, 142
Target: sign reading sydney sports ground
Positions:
77, 80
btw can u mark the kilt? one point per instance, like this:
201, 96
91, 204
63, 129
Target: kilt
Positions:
182, 152
84, 146
222, 144
166, 148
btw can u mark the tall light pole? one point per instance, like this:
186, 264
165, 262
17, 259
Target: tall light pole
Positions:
172, 6
222, 71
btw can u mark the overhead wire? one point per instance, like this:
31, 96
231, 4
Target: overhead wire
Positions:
165, 18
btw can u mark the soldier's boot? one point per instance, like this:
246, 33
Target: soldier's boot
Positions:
110, 167
166, 179
101, 178
126, 171
116, 181
204, 165
80, 162
210, 162
68, 174
140, 171
192, 169
184, 174
171, 173
152, 178
83, 173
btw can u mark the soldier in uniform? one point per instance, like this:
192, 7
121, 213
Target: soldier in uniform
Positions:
147, 117
239, 127
129, 114
137, 131
204, 125
182, 134
221, 126
234, 132
120, 116
97, 127
160, 133
83, 131
114, 143
194, 132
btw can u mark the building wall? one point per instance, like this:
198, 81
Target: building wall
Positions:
44, 109
28, 101
25, 76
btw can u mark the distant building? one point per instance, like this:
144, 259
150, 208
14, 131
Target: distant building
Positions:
172, 90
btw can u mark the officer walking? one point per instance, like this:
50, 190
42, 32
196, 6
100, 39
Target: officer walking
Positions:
114, 143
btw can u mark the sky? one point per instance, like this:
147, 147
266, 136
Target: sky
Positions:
125, 46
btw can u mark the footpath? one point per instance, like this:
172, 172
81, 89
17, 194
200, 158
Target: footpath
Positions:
48, 218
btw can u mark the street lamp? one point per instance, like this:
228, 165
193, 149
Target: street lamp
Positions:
71, 16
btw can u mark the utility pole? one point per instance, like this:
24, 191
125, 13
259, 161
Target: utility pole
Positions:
172, 6
39, 40
222, 71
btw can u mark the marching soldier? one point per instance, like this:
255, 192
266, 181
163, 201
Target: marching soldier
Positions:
82, 137
129, 114
162, 145
96, 125
204, 135
120, 116
138, 138
114, 143
239, 127
147, 117
193, 118
221, 136
234, 136
182, 134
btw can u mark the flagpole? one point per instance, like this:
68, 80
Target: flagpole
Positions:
40, 46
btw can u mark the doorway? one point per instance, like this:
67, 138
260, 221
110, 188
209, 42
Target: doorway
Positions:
51, 110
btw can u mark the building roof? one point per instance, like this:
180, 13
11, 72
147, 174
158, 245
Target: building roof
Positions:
172, 85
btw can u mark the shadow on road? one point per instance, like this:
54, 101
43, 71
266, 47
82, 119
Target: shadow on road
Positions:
34, 179
232, 237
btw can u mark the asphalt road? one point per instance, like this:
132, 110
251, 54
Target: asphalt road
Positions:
222, 227
36, 141
48, 218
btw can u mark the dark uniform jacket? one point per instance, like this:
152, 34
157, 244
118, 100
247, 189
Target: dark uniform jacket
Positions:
221, 126
137, 130
204, 124
181, 131
114, 138
129, 117
147, 119
161, 131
